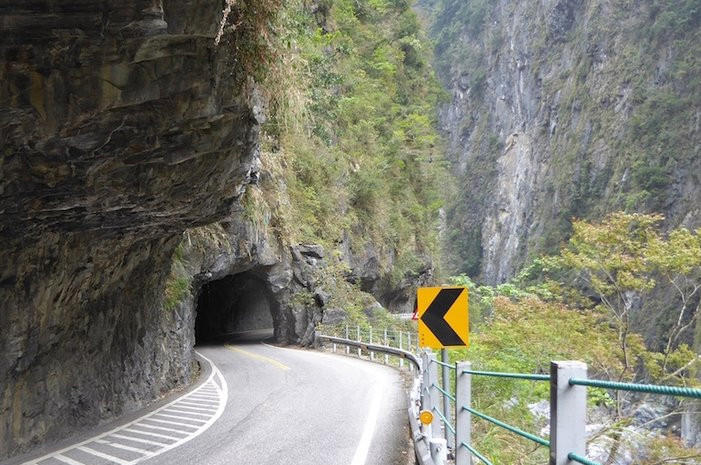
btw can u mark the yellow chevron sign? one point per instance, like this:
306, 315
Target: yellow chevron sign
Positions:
443, 317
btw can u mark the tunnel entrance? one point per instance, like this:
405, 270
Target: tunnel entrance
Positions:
234, 306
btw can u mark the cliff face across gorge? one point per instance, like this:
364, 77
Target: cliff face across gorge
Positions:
122, 123
563, 109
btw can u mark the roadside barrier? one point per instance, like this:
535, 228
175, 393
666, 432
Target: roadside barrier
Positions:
449, 433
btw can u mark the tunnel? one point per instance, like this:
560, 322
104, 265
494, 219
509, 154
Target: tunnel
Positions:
235, 306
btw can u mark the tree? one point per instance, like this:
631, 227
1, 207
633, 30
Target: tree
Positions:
624, 260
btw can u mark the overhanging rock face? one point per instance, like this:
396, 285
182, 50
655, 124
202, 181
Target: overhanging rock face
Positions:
121, 124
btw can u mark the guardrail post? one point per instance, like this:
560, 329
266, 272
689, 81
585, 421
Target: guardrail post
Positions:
408, 347
447, 411
425, 383
568, 411
386, 356
434, 393
358, 340
438, 450
347, 337
401, 360
372, 354
463, 418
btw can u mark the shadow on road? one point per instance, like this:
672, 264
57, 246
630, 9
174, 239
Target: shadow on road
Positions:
240, 338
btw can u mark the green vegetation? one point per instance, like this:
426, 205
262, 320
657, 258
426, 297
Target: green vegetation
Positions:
624, 258
352, 132
178, 282
578, 305
351, 156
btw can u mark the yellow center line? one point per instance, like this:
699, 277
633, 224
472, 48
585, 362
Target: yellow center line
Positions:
263, 358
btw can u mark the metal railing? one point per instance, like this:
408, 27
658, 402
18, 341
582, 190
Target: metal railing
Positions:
402, 340
449, 433
568, 383
372, 348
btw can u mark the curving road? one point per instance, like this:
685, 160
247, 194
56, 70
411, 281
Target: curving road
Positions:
259, 405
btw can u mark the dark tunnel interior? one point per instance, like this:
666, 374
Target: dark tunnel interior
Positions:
233, 307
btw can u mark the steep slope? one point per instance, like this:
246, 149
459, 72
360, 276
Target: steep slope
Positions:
122, 123
562, 109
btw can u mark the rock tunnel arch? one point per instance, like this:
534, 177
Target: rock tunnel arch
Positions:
234, 305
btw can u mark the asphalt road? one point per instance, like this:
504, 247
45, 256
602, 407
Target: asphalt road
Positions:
261, 405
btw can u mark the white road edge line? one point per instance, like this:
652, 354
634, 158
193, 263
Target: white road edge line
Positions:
167, 422
126, 435
215, 377
149, 433
202, 404
122, 446
198, 420
97, 453
68, 460
361, 453
161, 428
188, 412
199, 409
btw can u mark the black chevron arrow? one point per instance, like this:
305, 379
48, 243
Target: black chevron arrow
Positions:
434, 315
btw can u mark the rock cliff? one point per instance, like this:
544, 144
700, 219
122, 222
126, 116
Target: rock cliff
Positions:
562, 109
122, 124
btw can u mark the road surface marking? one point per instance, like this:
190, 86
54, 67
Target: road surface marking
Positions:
202, 405
122, 446
67, 460
182, 418
203, 397
167, 422
361, 453
193, 409
111, 458
188, 412
161, 428
154, 442
215, 383
140, 430
263, 358
156, 435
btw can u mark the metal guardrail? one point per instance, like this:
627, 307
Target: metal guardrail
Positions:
373, 348
568, 406
568, 389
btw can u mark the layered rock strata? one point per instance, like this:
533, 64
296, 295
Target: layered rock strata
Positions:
121, 124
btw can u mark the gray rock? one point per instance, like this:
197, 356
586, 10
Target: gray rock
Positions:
122, 125
312, 250
651, 416
321, 297
333, 316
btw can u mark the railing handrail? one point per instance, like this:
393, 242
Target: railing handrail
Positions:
497, 374
556, 378
373, 347
646, 388
447, 365
510, 428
